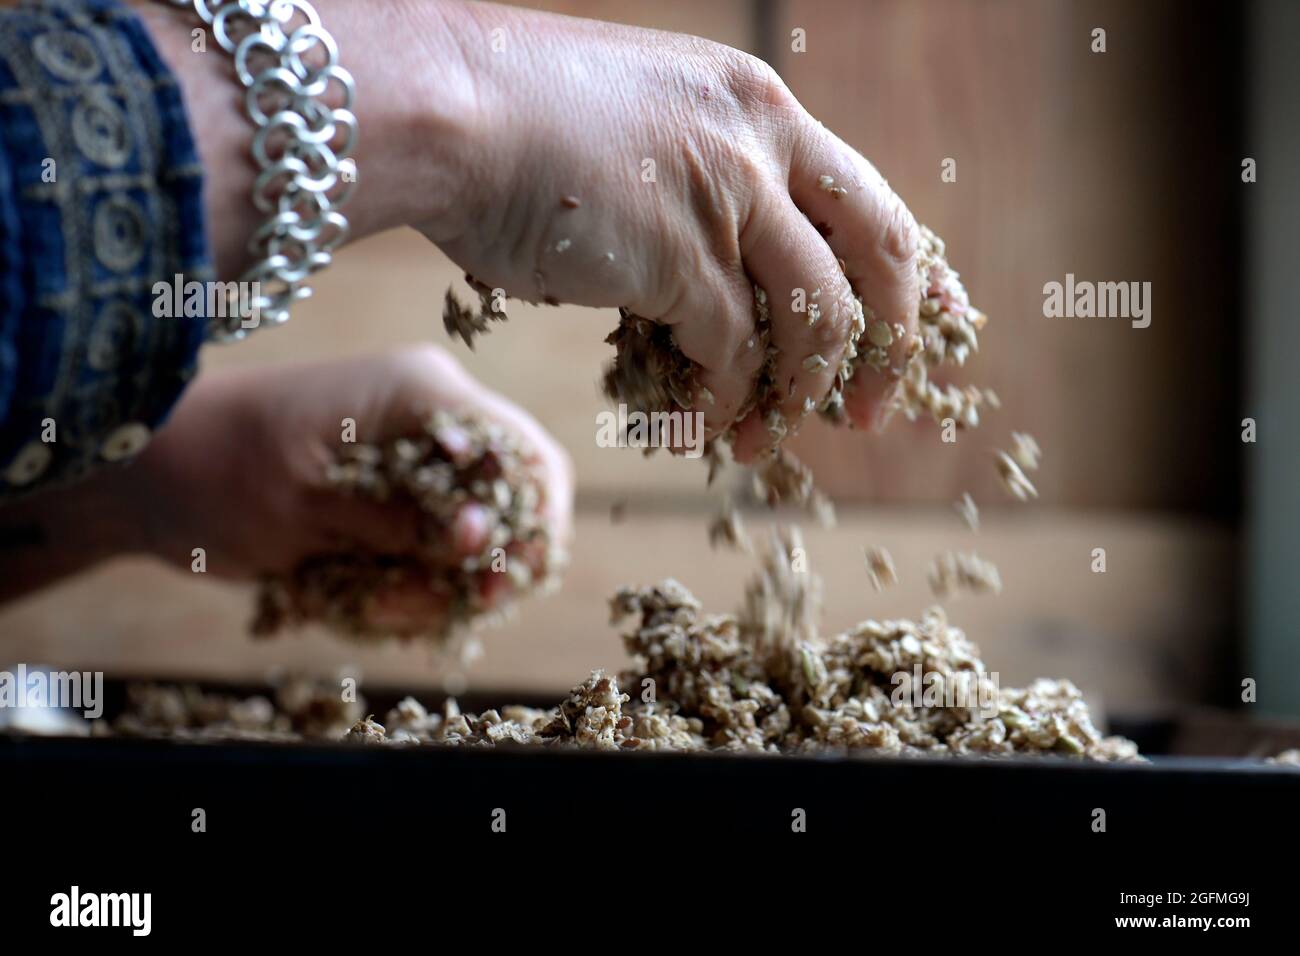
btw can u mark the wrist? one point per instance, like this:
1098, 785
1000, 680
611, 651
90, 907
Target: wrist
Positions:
60, 532
417, 108
414, 102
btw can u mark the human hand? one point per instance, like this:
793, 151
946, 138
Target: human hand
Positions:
477, 122
241, 471
669, 174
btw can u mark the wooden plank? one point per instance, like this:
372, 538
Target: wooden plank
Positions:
1067, 162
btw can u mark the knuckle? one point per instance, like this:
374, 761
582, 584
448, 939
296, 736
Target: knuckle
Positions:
429, 357
828, 337
830, 333
900, 235
754, 83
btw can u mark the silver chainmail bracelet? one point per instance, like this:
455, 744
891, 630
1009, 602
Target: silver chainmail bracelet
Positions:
287, 63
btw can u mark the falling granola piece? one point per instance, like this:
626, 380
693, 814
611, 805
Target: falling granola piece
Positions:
784, 597
970, 514
728, 528
460, 320
955, 571
1025, 451
1014, 480
880, 569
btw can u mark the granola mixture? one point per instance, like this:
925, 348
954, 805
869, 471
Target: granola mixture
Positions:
302, 709
763, 680
649, 373
458, 461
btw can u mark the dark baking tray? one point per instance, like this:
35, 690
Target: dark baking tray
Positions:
147, 789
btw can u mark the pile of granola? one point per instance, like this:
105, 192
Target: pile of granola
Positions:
763, 680
302, 709
458, 461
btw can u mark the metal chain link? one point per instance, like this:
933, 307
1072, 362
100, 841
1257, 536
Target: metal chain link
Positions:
301, 145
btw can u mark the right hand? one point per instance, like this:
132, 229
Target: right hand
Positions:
476, 121
577, 108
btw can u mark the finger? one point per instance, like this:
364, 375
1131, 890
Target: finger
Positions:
436, 380
812, 310
714, 325
870, 229
495, 590
548, 462
470, 529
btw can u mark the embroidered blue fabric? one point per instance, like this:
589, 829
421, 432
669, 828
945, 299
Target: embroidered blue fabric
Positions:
100, 199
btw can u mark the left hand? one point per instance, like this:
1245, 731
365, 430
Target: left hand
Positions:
241, 469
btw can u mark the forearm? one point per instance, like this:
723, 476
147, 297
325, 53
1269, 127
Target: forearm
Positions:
415, 105
54, 534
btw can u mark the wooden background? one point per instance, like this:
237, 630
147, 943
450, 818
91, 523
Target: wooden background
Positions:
1116, 167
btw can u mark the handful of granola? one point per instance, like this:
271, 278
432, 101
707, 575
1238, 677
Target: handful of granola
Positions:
649, 373
459, 460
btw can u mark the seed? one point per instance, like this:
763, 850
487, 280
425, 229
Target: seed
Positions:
570, 202
880, 334
814, 363
877, 358
827, 184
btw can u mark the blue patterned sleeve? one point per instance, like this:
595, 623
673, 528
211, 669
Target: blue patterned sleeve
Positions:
100, 201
